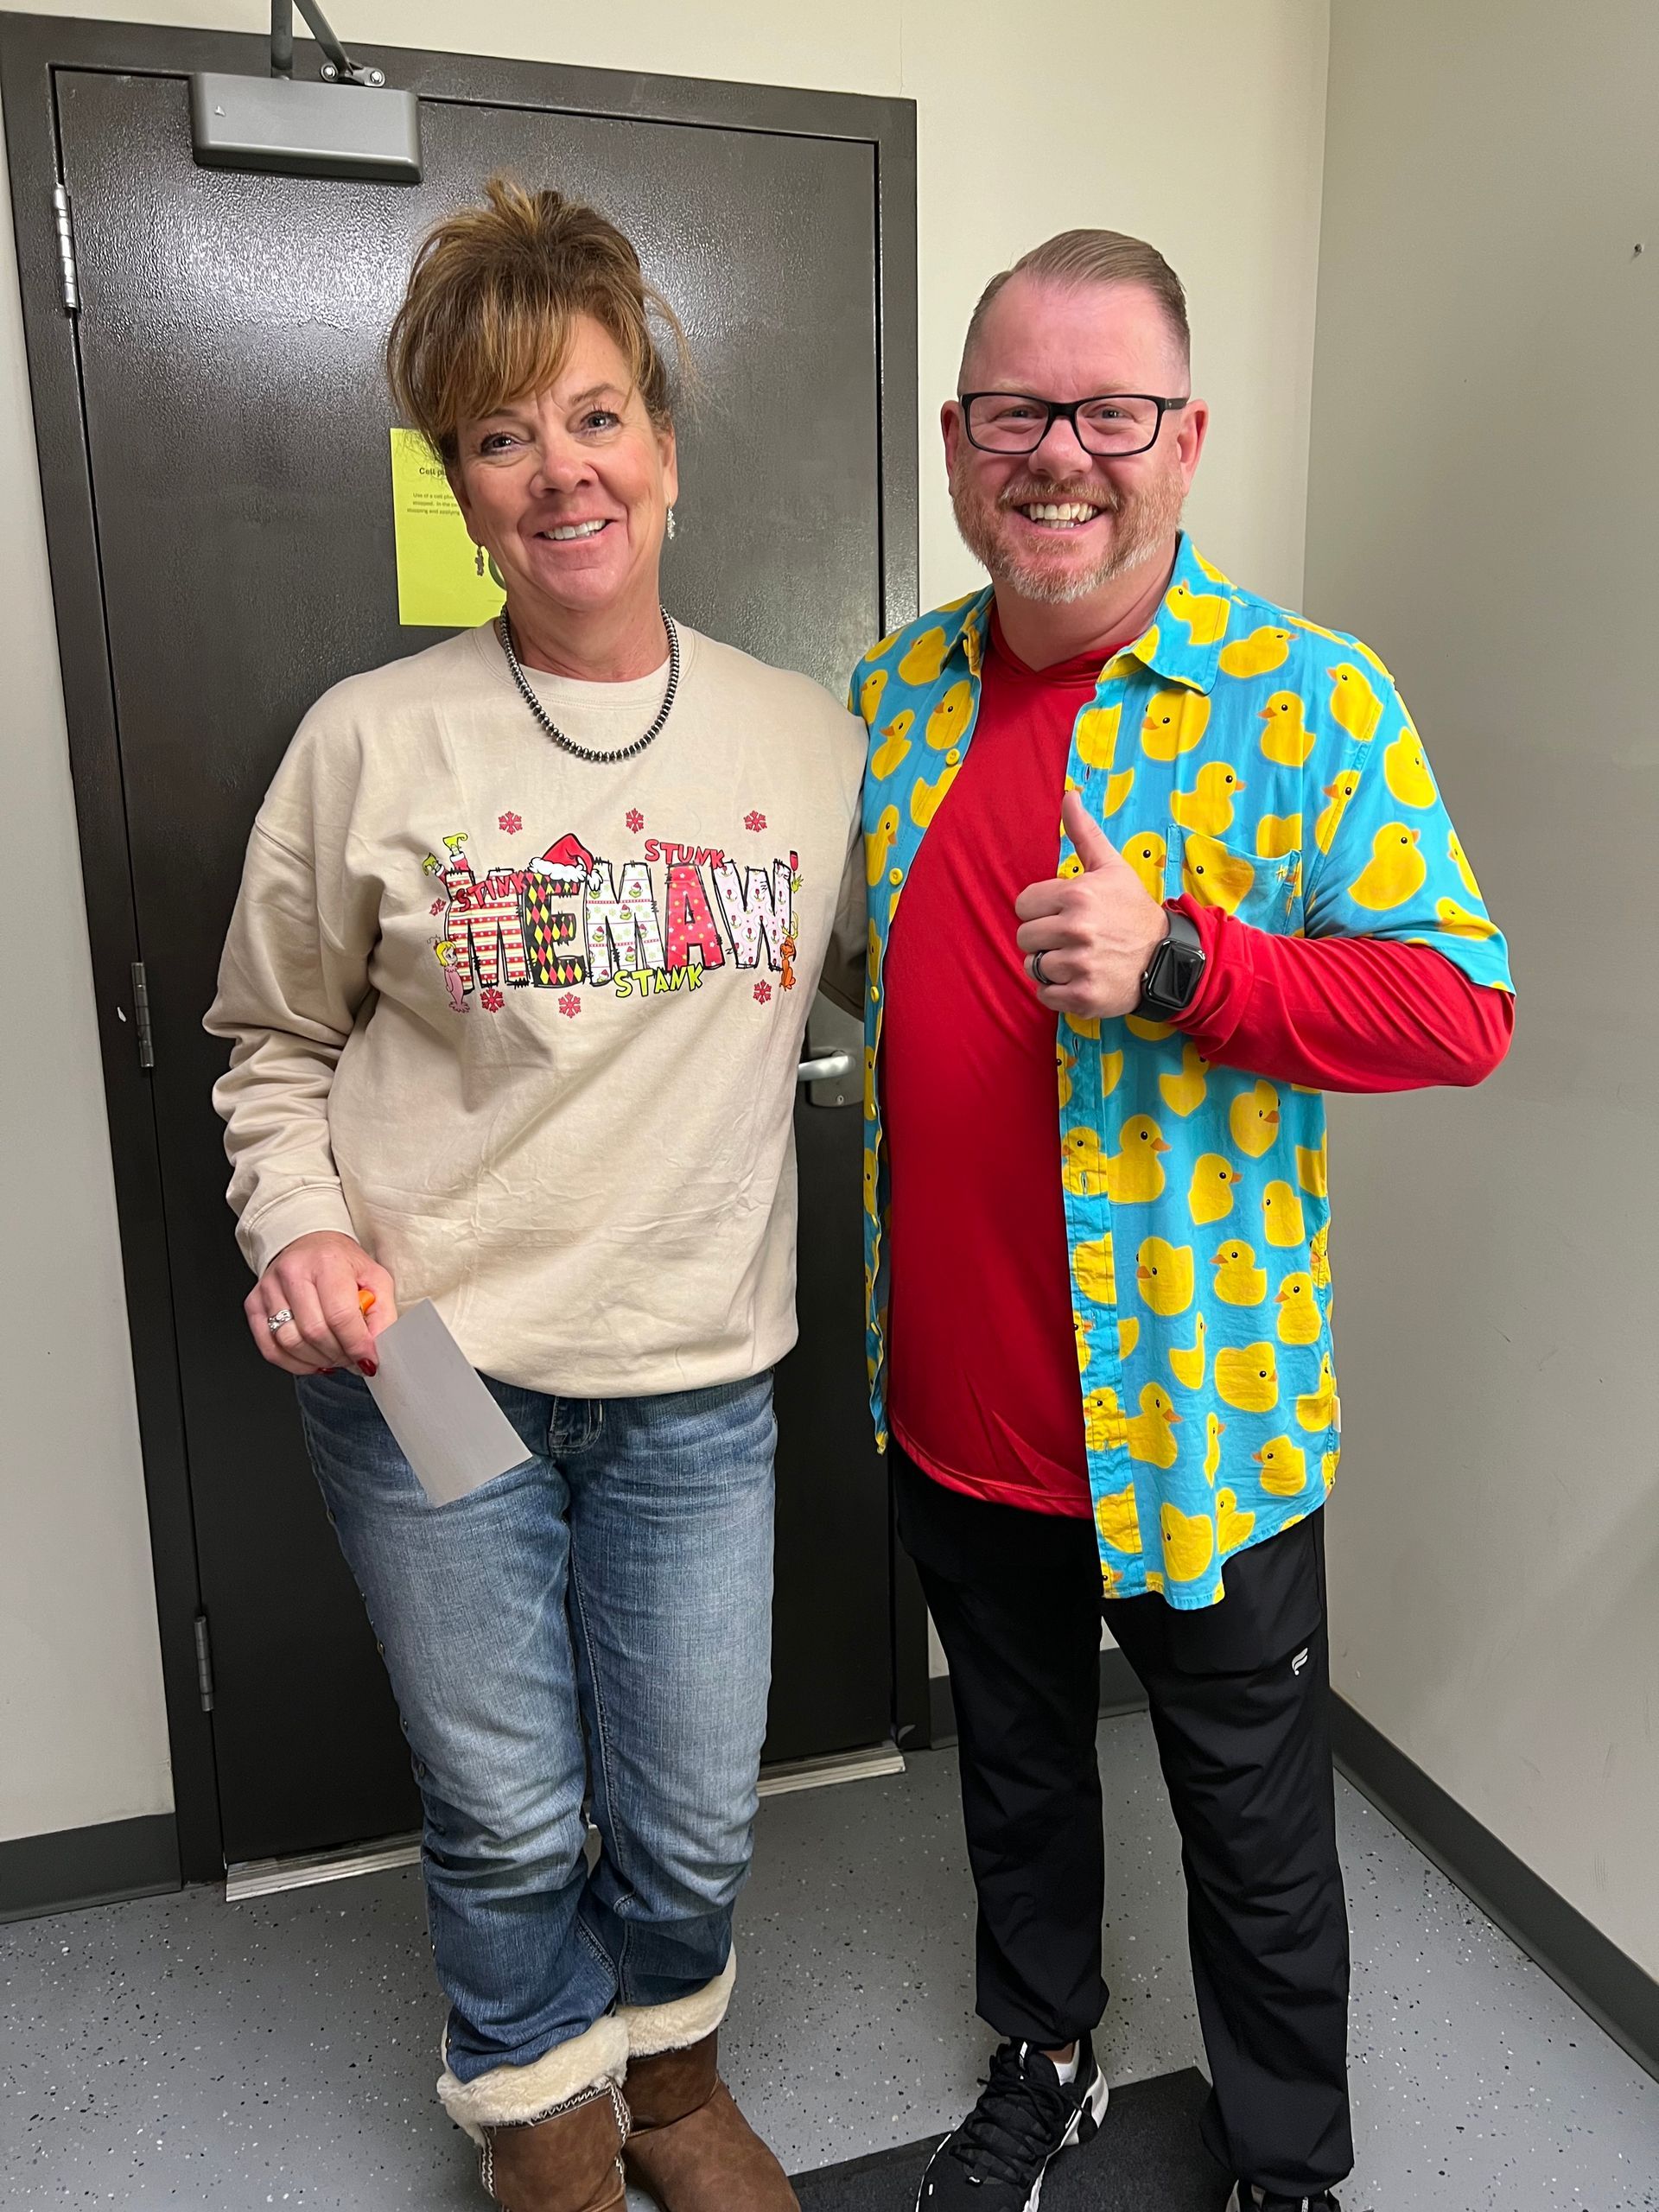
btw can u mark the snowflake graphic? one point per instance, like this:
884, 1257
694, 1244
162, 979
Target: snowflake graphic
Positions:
512, 823
490, 1000
635, 820
570, 1005
762, 993
437, 906
756, 821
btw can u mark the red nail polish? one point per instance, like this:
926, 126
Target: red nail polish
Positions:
368, 1367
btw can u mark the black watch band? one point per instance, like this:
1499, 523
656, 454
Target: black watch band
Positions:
1174, 971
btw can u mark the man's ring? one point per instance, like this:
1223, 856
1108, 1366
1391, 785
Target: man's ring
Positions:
1037, 975
274, 1321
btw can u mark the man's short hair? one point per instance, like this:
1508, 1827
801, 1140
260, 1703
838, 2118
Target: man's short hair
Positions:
1094, 258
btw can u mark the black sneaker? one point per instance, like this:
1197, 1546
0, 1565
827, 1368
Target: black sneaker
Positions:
996, 2161
1246, 2199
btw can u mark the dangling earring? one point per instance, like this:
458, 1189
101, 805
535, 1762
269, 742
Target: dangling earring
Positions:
670, 522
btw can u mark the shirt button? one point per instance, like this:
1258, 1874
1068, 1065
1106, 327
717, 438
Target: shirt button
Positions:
952, 757
895, 876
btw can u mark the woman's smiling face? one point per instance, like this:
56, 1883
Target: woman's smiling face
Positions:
568, 487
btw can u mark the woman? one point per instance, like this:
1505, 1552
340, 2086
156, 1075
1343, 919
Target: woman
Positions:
517, 982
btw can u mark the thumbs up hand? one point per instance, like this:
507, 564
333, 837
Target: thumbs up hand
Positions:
1095, 933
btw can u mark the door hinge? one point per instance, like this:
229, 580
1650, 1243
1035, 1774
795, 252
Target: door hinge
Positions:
69, 271
141, 1015
204, 1664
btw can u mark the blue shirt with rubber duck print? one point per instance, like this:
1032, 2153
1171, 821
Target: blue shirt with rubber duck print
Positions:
1245, 756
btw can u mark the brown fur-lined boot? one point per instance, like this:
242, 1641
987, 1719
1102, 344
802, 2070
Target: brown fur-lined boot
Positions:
549, 2135
690, 2147
569, 2161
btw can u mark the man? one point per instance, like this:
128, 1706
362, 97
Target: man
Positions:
1135, 830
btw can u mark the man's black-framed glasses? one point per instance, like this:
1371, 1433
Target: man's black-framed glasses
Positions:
1112, 424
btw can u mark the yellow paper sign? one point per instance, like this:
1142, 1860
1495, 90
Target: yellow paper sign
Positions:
444, 580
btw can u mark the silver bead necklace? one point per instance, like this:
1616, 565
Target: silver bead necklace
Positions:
504, 630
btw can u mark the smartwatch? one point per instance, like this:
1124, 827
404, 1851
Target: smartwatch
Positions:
1174, 971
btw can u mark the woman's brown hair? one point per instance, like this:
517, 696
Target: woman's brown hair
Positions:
491, 299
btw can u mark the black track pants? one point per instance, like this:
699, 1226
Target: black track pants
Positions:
1239, 1695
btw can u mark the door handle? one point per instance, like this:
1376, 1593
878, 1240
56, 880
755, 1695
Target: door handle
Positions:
830, 1067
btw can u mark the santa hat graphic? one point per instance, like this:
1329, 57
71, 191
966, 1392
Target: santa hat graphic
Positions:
569, 863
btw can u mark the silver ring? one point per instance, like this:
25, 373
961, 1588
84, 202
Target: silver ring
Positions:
1037, 975
274, 1321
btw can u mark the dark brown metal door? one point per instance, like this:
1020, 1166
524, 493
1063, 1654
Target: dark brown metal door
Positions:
237, 427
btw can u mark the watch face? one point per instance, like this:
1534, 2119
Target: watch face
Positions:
1174, 975
1184, 970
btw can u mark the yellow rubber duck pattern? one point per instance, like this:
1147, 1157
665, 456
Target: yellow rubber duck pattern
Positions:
1247, 757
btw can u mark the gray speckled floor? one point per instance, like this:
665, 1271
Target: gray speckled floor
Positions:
179, 2052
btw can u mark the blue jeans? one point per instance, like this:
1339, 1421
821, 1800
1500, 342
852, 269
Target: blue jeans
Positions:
593, 1627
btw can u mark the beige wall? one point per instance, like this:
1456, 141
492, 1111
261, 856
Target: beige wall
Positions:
82, 1737
1202, 127
1484, 505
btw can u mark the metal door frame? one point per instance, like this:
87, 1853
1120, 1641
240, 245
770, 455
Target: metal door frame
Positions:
33, 48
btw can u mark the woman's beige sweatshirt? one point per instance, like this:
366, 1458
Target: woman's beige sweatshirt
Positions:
527, 1027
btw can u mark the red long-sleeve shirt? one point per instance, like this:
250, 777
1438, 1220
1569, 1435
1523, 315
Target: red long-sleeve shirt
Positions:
983, 1390
1341, 1013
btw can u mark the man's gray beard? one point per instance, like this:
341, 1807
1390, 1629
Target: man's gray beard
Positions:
1140, 526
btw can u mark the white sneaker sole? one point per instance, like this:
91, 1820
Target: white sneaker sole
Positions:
1091, 2113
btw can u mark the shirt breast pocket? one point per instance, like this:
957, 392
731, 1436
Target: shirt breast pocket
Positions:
1263, 890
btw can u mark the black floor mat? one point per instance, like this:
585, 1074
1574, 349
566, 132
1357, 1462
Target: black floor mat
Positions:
1146, 2158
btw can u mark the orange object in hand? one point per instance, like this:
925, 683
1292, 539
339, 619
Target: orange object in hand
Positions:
364, 1300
